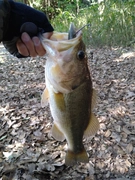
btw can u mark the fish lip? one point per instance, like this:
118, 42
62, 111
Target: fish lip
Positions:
55, 38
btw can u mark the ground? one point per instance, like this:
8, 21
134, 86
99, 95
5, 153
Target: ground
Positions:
28, 152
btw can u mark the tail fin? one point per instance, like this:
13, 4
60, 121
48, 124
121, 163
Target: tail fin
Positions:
72, 158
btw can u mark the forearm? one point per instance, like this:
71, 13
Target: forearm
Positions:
4, 18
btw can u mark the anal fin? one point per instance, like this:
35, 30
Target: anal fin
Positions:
57, 134
92, 127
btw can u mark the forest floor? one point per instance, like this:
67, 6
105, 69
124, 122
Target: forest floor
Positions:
28, 152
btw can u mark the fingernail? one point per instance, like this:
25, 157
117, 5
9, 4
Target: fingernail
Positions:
36, 41
25, 37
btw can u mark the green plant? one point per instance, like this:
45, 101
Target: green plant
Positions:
112, 21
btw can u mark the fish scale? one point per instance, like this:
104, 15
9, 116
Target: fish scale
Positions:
69, 93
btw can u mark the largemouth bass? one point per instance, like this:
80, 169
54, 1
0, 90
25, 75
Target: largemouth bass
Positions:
69, 92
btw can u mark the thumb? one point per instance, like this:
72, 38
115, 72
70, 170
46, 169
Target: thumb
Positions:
48, 35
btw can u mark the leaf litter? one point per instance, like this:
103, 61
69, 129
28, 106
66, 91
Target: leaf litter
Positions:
27, 151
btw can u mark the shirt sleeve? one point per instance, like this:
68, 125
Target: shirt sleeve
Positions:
19, 14
4, 18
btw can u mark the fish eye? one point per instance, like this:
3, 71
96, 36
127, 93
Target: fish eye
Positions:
80, 55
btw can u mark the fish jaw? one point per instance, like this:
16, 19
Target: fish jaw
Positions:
59, 42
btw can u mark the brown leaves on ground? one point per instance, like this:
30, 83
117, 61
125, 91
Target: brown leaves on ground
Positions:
27, 151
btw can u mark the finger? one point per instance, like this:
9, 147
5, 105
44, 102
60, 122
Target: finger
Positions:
38, 46
29, 44
22, 48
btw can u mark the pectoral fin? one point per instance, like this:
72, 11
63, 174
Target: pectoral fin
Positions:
57, 134
44, 98
55, 70
93, 126
59, 99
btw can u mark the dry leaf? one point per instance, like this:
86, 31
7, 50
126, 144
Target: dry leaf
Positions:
129, 148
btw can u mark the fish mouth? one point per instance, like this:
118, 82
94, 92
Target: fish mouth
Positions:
61, 41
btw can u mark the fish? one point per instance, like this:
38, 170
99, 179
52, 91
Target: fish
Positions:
69, 92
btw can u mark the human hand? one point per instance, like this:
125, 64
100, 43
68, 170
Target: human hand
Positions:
31, 46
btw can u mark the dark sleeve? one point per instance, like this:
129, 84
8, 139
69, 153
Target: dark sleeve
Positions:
11, 47
19, 14
4, 18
